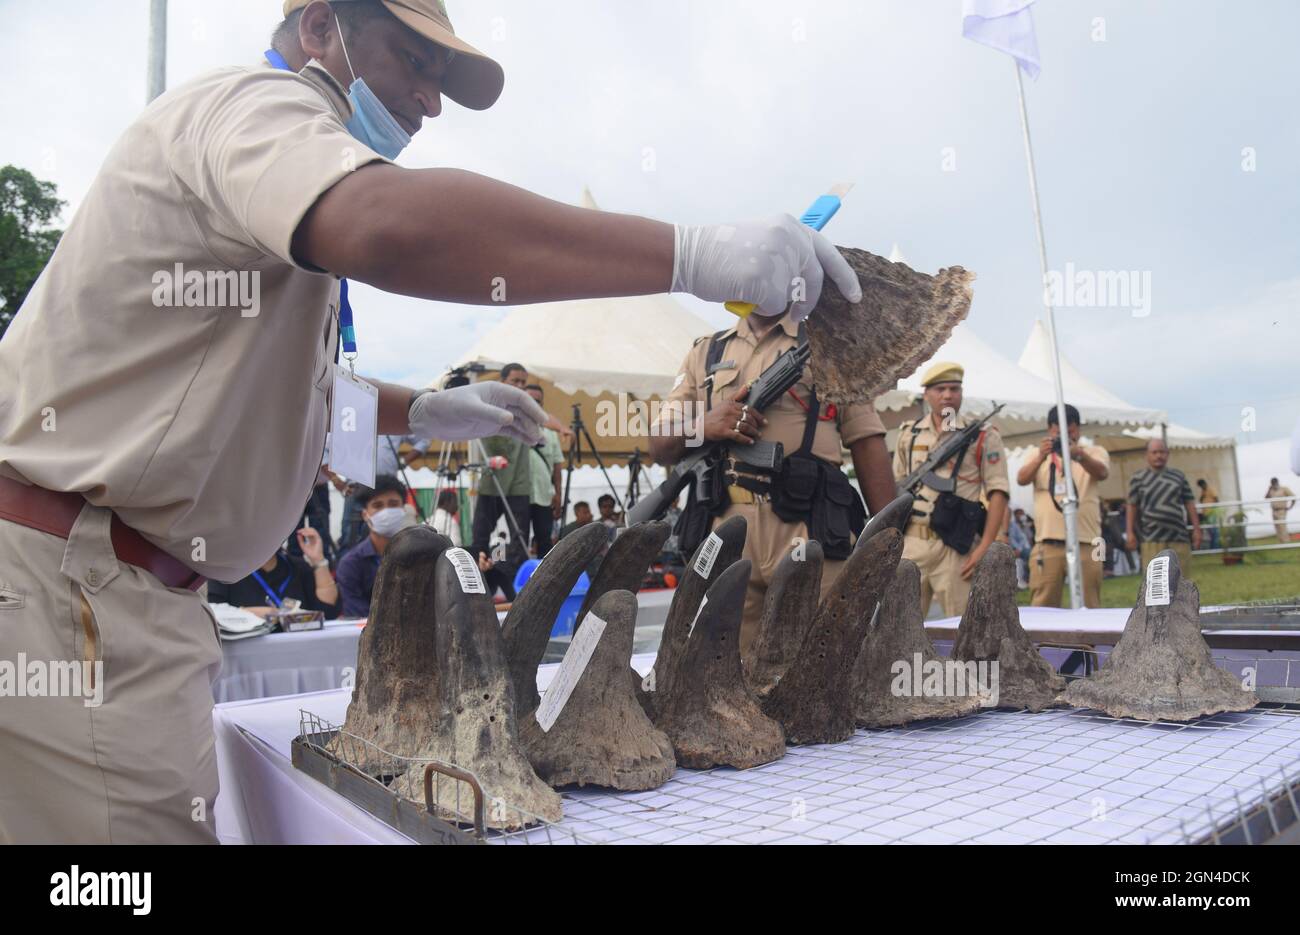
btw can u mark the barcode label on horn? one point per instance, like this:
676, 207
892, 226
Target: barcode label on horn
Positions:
571, 669
471, 582
1158, 581
708, 555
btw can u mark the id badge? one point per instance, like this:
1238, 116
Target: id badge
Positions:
354, 423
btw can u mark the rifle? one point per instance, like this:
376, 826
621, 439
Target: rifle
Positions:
770, 385
941, 453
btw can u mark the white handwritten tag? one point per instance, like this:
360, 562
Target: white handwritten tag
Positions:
1158, 581
571, 669
697, 616
471, 582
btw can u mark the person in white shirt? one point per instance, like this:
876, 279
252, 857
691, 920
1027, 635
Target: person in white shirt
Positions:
446, 518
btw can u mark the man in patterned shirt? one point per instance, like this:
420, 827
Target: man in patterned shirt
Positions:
1160, 505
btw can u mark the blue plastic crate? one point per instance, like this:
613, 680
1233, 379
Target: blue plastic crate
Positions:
568, 614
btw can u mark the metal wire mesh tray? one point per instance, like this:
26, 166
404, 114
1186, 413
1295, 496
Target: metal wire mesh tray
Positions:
1254, 615
330, 755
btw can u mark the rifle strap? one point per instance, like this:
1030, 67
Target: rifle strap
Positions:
711, 359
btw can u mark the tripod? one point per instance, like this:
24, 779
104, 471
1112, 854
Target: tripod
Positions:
634, 471
575, 457
401, 469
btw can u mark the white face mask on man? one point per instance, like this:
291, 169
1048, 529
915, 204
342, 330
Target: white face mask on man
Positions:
388, 521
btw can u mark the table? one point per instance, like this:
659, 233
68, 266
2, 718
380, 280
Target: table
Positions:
288, 663
1062, 776
318, 660
1102, 626
1064, 636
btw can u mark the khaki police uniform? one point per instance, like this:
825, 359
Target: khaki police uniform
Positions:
983, 470
1047, 561
201, 425
1280, 510
768, 538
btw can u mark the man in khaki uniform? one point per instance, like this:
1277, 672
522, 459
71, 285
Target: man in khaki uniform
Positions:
945, 573
190, 313
745, 351
1089, 465
1280, 509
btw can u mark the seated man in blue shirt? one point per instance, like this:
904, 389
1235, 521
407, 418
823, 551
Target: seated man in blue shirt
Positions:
282, 577
384, 512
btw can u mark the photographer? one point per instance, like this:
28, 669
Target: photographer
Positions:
1089, 465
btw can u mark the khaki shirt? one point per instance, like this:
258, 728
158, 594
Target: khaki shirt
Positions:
979, 476
745, 357
1049, 521
1280, 509
202, 422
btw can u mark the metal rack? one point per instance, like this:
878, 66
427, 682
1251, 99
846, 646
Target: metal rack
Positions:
456, 808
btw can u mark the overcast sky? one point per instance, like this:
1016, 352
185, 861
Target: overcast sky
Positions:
750, 108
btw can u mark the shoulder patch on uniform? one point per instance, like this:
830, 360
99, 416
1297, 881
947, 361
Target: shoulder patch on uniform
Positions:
994, 457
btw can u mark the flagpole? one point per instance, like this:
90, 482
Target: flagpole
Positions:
1071, 506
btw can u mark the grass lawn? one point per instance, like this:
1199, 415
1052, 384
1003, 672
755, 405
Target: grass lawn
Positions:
1261, 576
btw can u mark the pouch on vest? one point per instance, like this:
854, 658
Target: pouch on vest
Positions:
955, 520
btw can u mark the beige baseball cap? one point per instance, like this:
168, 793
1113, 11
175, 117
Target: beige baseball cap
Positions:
473, 79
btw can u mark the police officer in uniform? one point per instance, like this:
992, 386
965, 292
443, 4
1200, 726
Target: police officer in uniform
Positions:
1090, 465
981, 475
713, 384
192, 311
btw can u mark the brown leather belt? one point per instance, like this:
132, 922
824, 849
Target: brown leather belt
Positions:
54, 512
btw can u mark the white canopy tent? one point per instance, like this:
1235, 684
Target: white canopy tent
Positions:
1196, 454
632, 345
993, 378
1036, 358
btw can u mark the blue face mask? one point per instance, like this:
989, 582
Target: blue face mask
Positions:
371, 121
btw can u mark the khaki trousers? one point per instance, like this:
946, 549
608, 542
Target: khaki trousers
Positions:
768, 539
131, 759
1047, 564
1279, 527
1182, 549
940, 569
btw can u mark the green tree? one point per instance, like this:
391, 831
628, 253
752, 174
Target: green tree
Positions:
27, 207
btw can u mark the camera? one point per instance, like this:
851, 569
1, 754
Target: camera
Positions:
1056, 446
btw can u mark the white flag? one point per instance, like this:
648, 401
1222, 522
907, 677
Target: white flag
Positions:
1005, 25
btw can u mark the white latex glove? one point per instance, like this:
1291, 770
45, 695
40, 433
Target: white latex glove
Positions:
760, 262
477, 411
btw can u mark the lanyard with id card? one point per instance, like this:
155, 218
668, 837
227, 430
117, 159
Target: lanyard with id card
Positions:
354, 409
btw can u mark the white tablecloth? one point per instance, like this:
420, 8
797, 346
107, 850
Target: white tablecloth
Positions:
288, 663
1105, 621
